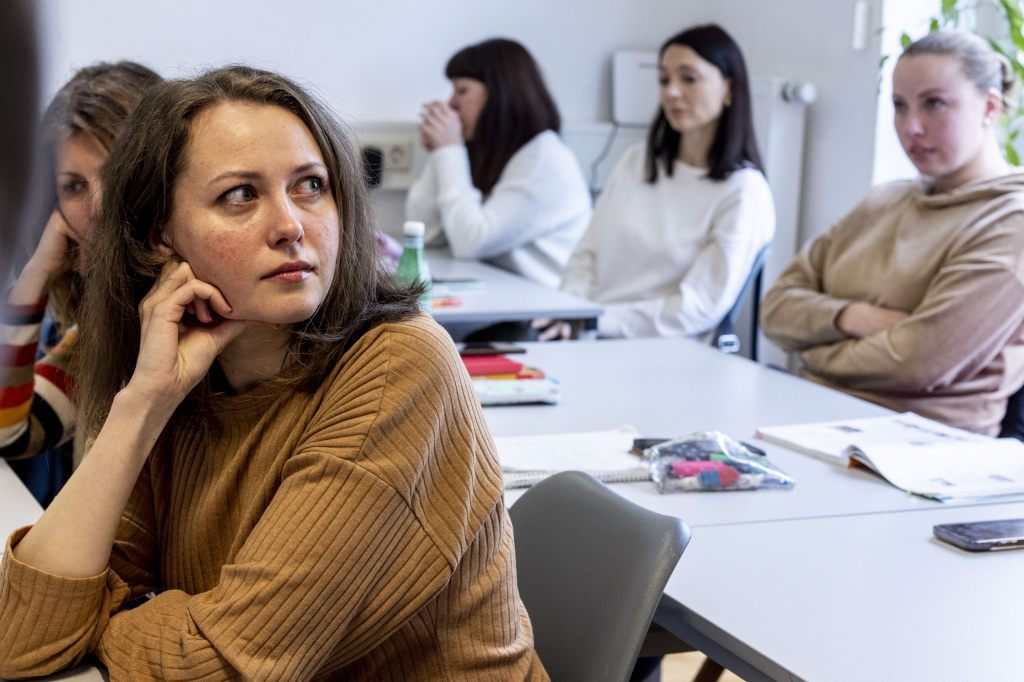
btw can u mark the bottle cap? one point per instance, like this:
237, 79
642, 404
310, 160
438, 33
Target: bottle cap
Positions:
413, 228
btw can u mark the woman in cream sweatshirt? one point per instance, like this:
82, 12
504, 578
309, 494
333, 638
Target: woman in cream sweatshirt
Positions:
915, 300
499, 184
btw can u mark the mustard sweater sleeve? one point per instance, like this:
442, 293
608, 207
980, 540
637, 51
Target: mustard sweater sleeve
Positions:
344, 555
973, 306
331, 541
389, 495
49, 622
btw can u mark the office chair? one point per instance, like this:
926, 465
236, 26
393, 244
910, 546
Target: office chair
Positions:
724, 338
592, 567
1012, 425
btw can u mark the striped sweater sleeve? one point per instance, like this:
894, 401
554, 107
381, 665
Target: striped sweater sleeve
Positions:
36, 412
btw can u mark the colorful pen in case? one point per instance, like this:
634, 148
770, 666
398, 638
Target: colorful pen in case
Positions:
684, 468
706, 482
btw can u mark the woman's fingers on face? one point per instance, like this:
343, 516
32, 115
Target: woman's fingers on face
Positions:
202, 311
208, 300
173, 275
192, 294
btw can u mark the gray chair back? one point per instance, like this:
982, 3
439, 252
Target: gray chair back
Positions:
591, 567
725, 338
1012, 425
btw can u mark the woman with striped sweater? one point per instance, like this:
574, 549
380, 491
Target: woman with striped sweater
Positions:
79, 127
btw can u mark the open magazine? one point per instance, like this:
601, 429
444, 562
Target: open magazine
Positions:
914, 454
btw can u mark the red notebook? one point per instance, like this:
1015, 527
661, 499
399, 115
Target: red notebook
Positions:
479, 365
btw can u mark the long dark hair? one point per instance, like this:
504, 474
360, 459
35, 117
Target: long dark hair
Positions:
96, 102
734, 146
138, 182
518, 105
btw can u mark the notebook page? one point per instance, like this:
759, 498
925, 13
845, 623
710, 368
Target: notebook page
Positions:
586, 451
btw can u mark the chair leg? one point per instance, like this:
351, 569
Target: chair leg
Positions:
709, 672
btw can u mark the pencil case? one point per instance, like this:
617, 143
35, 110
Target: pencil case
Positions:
711, 460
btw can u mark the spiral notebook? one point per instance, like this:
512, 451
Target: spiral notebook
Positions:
605, 455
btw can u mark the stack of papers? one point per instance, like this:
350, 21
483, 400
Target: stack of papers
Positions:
605, 455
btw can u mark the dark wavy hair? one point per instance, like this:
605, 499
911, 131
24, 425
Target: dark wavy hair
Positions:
734, 146
518, 105
138, 183
96, 102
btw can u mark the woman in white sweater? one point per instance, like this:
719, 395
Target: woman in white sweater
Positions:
679, 224
499, 183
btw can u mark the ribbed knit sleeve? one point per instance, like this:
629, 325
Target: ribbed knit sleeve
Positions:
382, 549
333, 548
49, 622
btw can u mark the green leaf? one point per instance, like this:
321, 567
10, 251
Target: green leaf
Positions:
1015, 20
905, 41
933, 25
1011, 154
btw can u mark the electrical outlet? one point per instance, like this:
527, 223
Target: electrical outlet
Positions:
395, 149
398, 156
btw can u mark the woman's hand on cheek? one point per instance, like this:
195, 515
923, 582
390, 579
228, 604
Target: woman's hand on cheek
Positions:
173, 355
53, 254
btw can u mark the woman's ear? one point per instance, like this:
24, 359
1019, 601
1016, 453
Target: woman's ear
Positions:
159, 242
993, 105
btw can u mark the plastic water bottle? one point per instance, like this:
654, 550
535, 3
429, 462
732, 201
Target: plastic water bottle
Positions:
412, 266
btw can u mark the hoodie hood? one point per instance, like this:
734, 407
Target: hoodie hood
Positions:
983, 189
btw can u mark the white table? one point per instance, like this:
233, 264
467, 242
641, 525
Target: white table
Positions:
672, 387
853, 598
505, 297
836, 579
17, 506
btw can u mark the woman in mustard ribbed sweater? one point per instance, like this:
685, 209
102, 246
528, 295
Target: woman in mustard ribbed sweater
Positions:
290, 476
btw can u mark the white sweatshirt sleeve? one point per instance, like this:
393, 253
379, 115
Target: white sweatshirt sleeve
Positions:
421, 204
516, 212
581, 271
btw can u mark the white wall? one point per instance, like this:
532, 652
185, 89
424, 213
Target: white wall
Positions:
812, 40
374, 60
381, 60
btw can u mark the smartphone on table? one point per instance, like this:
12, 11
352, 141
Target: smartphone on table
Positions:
490, 348
983, 536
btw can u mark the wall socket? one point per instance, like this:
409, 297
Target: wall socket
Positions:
398, 145
398, 156
396, 152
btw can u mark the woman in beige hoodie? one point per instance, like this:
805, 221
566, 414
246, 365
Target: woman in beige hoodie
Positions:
915, 299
